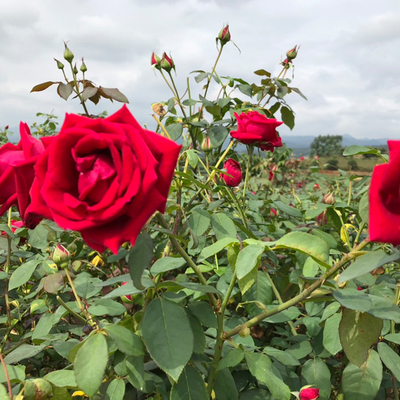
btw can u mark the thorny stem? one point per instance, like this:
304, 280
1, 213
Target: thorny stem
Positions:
302, 296
7, 377
162, 221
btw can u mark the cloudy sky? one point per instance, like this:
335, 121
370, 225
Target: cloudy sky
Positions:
347, 66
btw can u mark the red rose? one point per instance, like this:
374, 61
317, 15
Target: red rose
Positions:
384, 199
232, 168
270, 175
104, 178
14, 226
316, 186
309, 394
17, 171
255, 128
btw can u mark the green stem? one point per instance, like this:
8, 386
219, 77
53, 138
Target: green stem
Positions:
302, 296
350, 189
77, 90
7, 270
279, 298
162, 221
246, 179
60, 300
232, 195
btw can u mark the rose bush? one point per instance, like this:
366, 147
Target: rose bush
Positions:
103, 178
256, 129
384, 198
234, 172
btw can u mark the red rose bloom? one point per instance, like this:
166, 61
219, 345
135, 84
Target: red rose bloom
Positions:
255, 128
232, 168
309, 394
104, 178
384, 199
17, 171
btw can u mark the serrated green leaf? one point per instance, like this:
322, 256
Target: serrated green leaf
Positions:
331, 338
232, 358
216, 247
390, 358
126, 340
316, 373
166, 264
22, 274
61, 378
225, 387
190, 386
115, 390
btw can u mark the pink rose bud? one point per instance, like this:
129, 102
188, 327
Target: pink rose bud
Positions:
61, 256
128, 297
167, 63
322, 219
206, 145
286, 63
316, 186
292, 54
233, 169
273, 213
309, 394
155, 61
224, 36
329, 199
271, 175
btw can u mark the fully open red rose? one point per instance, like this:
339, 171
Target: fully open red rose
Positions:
17, 171
104, 178
384, 199
255, 128
233, 169
309, 394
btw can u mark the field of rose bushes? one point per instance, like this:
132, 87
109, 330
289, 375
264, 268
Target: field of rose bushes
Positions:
164, 264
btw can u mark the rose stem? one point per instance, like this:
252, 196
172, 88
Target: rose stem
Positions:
250, 152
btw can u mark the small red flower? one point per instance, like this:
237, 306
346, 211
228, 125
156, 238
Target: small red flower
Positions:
316, 186
309, 394
233, 169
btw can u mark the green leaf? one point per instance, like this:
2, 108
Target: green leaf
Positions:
291, 211
363, 383
126, 340
246, 89
218, 134
223, 226
393, 337
358, 333
22, 352
262, 72
135, 369
64, 90
174, 130
247, 266
44, 326
316, 373
390, 358
204, 313
166, 264
61, 378
331, 338
287, 117
260, 366
115, 390
38, 237
199, 338
232, 358
355, 150
367, 263
16, 373
42, 86
190, 386
216, 247
168, 336
113, 93
283, 357
363, 207
300, 349
106, 307
286, 315
199, 221
3, 393
225, 387
261, 291
22, 274
384, 308
353, 299
140, 258
90, 363
197, 287
308, 244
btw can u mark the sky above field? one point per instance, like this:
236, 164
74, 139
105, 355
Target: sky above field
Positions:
347, 65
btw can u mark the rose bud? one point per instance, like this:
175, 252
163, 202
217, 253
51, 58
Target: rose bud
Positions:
273, 213
6, 127
329, 198
301, 158
167, 63
292, 54
60, 65
128, 297
224, 36
83, 66
309, 394
316, 186
322, 219
75, 70
233, 169
271, 175
61, 256
38, 389
206, 145
68, 54
155, 61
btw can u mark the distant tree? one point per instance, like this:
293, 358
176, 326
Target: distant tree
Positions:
329, 145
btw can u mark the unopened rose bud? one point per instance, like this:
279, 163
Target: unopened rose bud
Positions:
224, 36
6, 128
329, 199
83, 66
309, 394
38, 389
270, 176
61, 256
322, 219
126, 298
206, 145
155, 61
316, 186
273, 213
68, 54
292, 54
60, 65
167, 63
75, 70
